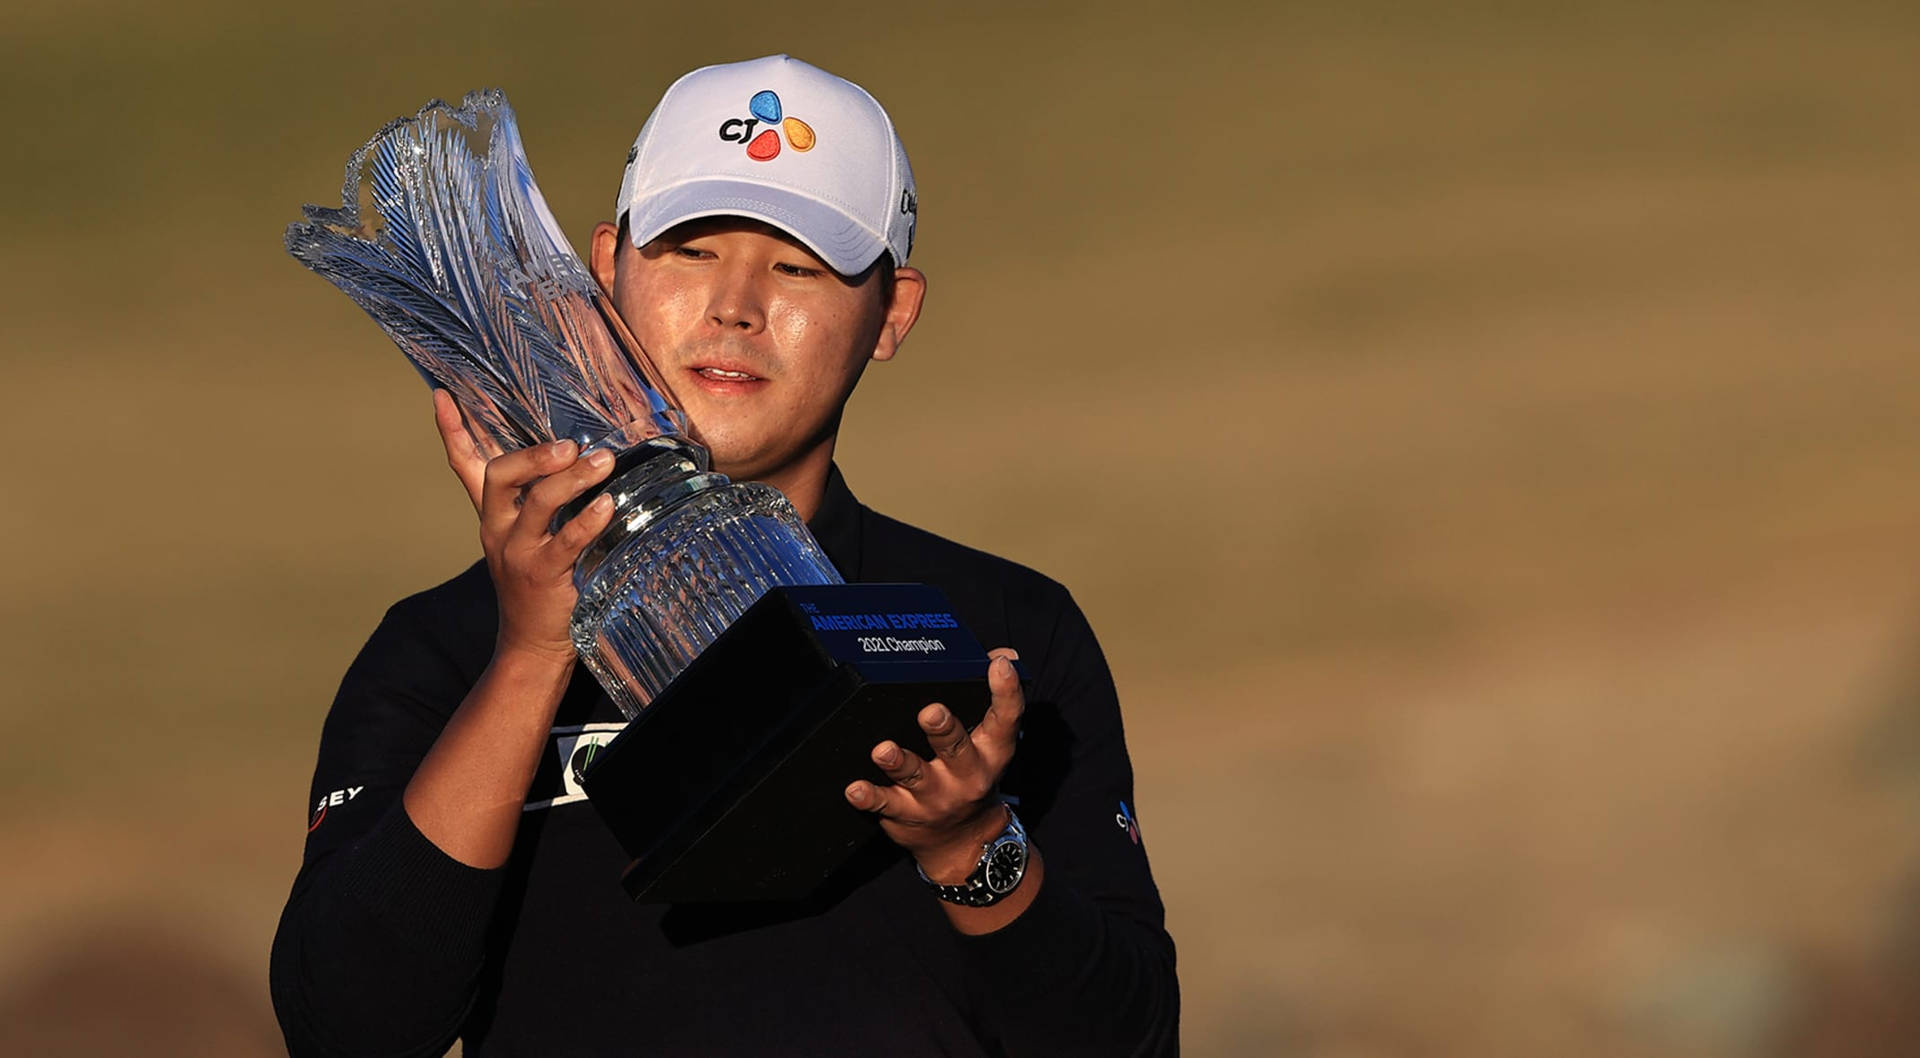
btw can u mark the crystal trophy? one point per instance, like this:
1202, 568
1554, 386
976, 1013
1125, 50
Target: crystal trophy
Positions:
706, 610
445, 240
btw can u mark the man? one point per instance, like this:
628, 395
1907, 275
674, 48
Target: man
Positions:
456, 885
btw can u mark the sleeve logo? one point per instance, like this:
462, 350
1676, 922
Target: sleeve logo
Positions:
332, 800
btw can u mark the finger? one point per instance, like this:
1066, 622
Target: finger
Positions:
870, 798
508, 474
1001, 726
945, 733
574, 536
462, 454
904, 768
547, 495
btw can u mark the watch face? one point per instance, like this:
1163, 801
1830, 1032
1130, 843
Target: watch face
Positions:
1005, 864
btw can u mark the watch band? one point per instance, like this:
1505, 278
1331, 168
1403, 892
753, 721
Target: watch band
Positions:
1003, 863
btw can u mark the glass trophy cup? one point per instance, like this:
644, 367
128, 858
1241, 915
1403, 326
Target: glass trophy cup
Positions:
445, 240
753, 677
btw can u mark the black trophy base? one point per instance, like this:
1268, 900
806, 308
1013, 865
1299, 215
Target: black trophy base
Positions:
730, 785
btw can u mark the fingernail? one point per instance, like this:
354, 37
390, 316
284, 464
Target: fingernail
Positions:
890, 756
561, 448
600, 460
1004, 664
857, 794
603, 501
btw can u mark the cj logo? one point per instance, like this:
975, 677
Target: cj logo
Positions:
765, 147
1125, 819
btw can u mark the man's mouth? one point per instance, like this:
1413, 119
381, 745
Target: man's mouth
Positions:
722, 374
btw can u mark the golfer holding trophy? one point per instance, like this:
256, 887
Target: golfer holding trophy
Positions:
790, 805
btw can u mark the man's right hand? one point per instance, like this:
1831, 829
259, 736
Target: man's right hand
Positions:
466, 796
516, 495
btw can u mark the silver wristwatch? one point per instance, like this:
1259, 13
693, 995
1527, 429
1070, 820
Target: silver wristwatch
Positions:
1003, 862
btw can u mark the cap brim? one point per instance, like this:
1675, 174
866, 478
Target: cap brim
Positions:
846, 245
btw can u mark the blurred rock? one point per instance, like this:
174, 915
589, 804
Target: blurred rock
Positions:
1866, 1007
1733, 1000
118, 988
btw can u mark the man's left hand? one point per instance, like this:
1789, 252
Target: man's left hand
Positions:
944, 809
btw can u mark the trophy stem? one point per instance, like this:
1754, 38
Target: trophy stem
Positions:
686, 553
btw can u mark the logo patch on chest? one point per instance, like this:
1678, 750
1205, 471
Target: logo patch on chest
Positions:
570, 748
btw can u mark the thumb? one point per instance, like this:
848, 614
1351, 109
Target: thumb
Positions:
462, 454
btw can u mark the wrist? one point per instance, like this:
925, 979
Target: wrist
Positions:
950, 862
531, 676
534, 658
995, 879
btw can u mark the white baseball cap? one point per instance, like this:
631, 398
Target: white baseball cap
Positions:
777, 140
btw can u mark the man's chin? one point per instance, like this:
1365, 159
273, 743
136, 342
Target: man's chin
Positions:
726, 456
760, 467
749, 457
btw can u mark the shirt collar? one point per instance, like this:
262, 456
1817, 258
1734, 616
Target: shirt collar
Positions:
836, 525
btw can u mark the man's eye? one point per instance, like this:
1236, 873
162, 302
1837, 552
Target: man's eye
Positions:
689, 252
796, 270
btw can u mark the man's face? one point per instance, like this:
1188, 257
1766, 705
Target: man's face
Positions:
760, 342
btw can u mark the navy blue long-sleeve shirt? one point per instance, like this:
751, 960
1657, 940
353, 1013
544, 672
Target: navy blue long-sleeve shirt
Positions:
388, 946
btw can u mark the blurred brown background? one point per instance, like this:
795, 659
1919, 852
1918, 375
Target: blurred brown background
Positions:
1485, 439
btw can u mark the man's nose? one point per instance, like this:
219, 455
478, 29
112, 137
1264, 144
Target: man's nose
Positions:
736, 302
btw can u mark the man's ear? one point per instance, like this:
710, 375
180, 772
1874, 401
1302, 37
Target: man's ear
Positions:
909, 293
601, 254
